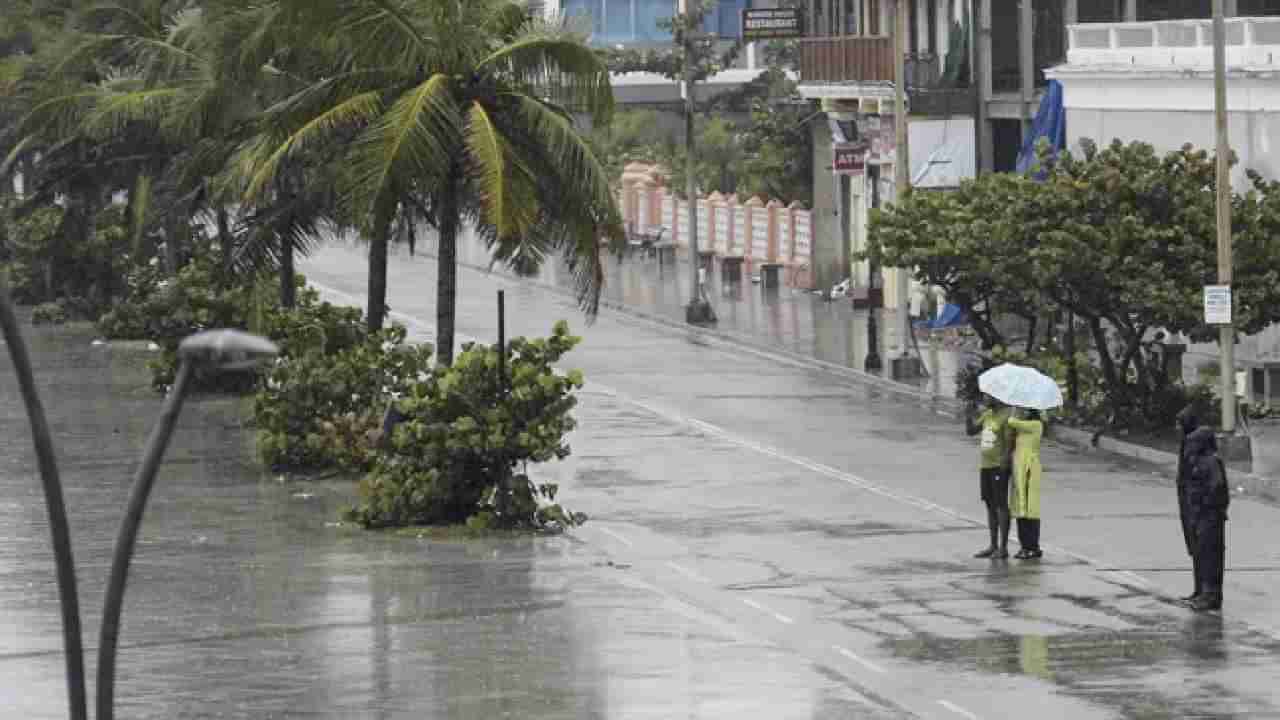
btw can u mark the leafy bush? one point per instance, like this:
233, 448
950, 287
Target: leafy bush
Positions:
465, 431
318, 409
51, 256
50, 313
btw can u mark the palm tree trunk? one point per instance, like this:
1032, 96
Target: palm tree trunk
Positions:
226, 242
288, 286
377, 302
447, 272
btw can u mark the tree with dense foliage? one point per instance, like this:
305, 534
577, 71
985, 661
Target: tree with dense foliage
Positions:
1123, 237
459, 113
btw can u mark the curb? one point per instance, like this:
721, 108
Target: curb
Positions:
1246, 483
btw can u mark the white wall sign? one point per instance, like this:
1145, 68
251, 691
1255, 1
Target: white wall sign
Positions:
1217, 304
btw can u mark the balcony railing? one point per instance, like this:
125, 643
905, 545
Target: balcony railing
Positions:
1251, 42
846, 59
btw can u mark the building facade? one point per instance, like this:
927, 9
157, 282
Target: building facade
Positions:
982, 65
638, 24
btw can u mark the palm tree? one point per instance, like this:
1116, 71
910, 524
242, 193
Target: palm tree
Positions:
145, 79
458, 113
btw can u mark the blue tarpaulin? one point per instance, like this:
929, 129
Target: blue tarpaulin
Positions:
1050, 123
951, 316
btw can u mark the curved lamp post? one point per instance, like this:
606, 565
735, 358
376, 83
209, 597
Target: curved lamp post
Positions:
214, 349
45, 458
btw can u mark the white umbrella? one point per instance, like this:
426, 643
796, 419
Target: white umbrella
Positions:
1021, 387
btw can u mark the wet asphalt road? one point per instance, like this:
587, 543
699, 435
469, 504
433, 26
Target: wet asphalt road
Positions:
837, 520
766, 541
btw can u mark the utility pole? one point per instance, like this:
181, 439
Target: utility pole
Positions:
698, 311
902, 161
1227, 336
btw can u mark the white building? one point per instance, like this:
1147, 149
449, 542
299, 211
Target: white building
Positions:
1153, 82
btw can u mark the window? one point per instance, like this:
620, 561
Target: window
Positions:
1100, 11
1153, 10
1258, 8
585, 8
648, 14
617, 22
725, 19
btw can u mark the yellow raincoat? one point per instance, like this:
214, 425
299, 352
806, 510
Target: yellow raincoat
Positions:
1024, 491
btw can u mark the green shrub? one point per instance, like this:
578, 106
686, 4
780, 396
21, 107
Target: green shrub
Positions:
317, 409
50, 313
465, 430
51, 256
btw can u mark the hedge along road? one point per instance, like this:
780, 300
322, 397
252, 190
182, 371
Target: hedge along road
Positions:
835, 521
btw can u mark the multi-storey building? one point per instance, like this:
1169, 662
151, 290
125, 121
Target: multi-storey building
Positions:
638, 23
977, 70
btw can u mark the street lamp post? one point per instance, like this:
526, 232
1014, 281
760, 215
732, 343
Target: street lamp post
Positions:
218, 349
699, 310
1226, 337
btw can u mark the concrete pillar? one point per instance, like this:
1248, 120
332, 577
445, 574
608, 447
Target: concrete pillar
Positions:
1070, 16
1131, 10
1026, 60
825, 215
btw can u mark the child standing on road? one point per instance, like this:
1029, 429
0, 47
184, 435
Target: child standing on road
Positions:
1024, 501
994, 443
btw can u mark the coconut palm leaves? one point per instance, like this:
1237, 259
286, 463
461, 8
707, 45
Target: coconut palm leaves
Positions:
460, 112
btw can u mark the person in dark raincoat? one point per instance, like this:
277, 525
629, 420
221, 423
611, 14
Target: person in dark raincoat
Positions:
1208, 496
1188, 422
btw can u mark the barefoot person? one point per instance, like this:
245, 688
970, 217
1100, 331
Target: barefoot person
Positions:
994, 442
1024, 498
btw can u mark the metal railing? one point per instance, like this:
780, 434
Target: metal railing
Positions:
1177, 43
846, 59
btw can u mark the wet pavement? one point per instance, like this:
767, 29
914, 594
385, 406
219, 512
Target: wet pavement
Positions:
247, 600
766, 541
833, 522
788, 319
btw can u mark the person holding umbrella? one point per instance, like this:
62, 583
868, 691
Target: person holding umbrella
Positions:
1027, 388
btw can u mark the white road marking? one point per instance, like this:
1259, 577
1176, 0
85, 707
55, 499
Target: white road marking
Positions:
615, 536
780, 617
863, 662
957, 709
688, 573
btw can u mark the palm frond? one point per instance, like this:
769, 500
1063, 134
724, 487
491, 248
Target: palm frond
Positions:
578, 209
547, 61
415, 138
498, 175
113, 112
362, 108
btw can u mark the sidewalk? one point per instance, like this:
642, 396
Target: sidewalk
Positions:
789, 320
830, 519
828, 334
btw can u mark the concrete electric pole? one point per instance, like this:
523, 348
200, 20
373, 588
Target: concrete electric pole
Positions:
902, 161
699, 310
1227, 337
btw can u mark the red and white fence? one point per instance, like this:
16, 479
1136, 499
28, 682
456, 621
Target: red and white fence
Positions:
760, 232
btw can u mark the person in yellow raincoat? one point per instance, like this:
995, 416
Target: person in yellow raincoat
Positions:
1024, 489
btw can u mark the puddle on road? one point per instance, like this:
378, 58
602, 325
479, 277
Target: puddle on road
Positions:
1199, 667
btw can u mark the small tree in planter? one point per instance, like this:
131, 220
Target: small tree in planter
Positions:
466, 430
